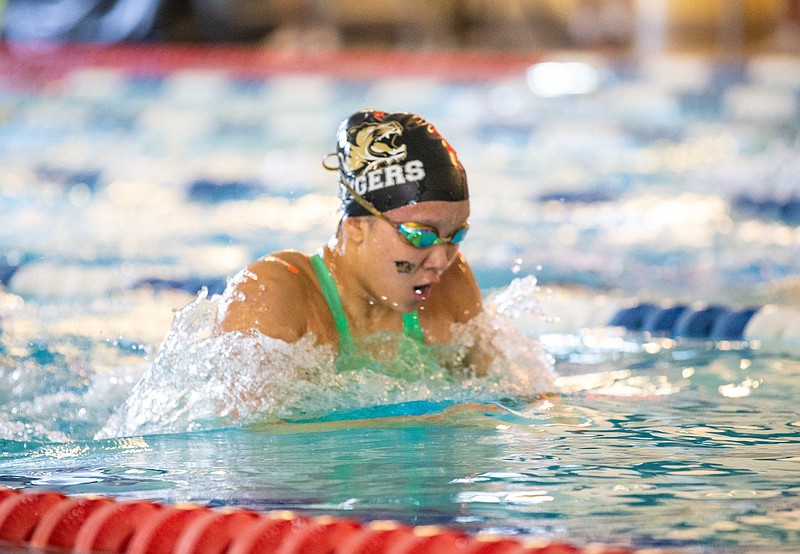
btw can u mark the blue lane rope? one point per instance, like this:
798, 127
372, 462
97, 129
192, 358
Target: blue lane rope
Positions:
683, 321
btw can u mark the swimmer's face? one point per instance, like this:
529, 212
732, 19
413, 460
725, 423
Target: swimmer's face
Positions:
401, 274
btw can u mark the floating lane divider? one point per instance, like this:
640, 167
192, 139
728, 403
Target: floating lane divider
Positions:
683, 321
56, 522
771, 328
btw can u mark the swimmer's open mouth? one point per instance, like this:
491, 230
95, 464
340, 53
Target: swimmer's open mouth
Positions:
422, 291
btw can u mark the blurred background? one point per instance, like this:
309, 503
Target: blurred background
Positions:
648, 148
728, 27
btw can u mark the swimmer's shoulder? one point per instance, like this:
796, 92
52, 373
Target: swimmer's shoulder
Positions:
458, 292
455, 298
286, 270
268, 294
290, 265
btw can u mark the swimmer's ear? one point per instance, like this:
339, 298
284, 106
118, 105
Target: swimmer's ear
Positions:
354, 227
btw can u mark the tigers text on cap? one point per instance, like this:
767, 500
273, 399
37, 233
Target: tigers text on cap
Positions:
396, 159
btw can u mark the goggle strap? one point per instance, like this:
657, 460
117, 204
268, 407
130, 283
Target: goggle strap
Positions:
362, 201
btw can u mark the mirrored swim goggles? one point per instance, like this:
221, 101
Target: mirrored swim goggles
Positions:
417, 235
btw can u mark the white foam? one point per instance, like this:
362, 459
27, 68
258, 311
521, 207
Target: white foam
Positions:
761, 103
775, 71
201, 379
677, 73
776, 328
570, 309
196, 87
303, 92
97, 83
48, 279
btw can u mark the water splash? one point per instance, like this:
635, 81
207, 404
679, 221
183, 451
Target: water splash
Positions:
203, 380
519, 298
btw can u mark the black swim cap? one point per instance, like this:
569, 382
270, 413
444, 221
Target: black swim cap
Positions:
395, 159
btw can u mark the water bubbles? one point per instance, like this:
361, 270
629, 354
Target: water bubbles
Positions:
203, 380
518, 299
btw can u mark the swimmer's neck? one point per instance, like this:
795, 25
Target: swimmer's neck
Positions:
365, 312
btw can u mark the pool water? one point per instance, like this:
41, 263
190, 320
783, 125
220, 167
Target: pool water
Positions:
639, 450
125, 188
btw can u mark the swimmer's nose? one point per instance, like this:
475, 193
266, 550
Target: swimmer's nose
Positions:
439, 257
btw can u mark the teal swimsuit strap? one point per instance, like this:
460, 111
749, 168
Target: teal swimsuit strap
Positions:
331, 294
411, 326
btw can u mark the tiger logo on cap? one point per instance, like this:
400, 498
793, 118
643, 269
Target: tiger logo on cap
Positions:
372, 146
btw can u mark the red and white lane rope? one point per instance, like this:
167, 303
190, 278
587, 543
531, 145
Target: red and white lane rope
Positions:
55, 521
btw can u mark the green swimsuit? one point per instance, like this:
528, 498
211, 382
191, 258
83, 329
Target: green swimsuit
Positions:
411, 326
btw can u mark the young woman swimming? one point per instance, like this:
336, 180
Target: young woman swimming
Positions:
393, 263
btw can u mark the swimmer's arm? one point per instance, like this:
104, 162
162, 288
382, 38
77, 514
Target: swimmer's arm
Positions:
266, 297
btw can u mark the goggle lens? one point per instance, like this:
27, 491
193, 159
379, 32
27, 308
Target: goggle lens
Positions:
423, 236
459, 234
417, 234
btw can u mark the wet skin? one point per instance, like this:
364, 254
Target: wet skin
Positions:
279, 295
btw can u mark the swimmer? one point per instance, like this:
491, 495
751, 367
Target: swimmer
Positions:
393, 263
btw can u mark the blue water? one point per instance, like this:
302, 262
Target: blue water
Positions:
647, 455
121, 195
